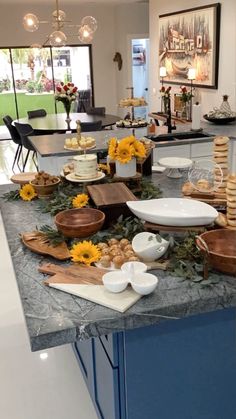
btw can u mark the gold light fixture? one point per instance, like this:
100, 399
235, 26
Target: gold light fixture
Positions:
57, 37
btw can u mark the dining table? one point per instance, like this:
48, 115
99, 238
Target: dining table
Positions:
52, 123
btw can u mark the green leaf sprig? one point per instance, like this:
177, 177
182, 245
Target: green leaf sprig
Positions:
54, 236
12, 195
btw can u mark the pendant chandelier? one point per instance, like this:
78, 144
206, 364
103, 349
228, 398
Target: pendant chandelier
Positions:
57, 37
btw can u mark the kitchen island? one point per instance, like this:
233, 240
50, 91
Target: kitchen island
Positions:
197, 148
171, 355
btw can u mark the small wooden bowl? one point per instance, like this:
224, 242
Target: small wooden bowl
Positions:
43, 191
79, 222
220, 249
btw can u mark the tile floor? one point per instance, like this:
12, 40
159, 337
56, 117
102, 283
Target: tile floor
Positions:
40, 385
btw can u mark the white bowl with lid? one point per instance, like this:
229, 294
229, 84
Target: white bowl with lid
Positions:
148, 247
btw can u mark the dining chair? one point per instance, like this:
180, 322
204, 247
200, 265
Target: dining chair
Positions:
96, 111
24, 130
84, 101
15, 138
91, 126
37, 113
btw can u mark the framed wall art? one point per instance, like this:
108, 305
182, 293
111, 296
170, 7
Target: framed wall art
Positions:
190, 39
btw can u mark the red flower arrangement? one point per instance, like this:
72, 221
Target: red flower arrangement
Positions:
165, 92
66, 93
186, 95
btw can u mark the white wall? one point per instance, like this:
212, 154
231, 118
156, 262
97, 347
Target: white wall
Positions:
227, 58
115, 23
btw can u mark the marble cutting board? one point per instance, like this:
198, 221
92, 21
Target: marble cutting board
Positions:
86, 282
99, 295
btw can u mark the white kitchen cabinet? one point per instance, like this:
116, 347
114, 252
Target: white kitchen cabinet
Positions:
198, 150
171, 151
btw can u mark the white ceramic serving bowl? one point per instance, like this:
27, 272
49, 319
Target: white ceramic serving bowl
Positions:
147, 247
115, 281
144, 283
174, 211
132, 268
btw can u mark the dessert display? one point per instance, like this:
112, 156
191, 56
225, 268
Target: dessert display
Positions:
82, 143
115, 253
86, 166
231, 201
220, 156
68, 168
133, 101
131, 123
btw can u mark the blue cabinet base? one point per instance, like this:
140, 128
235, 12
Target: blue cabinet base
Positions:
179, 369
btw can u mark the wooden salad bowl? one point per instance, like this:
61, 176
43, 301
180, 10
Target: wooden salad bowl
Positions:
43, 191
219, 248
79, 222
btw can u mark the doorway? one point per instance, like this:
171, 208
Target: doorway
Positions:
140, 73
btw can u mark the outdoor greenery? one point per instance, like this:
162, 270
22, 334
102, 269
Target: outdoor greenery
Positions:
27, 102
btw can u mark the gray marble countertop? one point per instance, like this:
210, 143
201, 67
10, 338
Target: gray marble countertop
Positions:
55, 318
53, 145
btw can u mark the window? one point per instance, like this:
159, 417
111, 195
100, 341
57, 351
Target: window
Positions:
28, 76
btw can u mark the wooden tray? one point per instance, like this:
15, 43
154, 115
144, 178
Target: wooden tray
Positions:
158, 227
111, 198
35, 242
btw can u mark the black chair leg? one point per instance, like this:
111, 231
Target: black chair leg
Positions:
35, 163
15, 158
19, 156
25, 161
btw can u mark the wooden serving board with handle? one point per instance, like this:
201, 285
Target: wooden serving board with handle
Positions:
86, 282
73, 274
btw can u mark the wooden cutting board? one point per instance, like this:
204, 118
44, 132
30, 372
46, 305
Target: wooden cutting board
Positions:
108, 194
86, 282
76, 274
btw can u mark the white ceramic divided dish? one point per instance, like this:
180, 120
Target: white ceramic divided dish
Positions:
147, 247
174, 211
144, 283
115, 281
132, 268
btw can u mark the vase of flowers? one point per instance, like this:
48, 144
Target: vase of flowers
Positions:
125, 153
66, 93
165, 99
186, 97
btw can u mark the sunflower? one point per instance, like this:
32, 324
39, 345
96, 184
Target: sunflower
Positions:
112, 148
104, 168
85, 252
27, 192
129, 140
80, 200
124, 153
139, 149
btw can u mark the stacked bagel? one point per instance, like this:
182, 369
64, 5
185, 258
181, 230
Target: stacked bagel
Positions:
220, 153
231, 200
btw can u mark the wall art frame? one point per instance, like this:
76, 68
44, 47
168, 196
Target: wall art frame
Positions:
190, 39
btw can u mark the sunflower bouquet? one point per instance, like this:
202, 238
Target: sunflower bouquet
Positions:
127, 148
